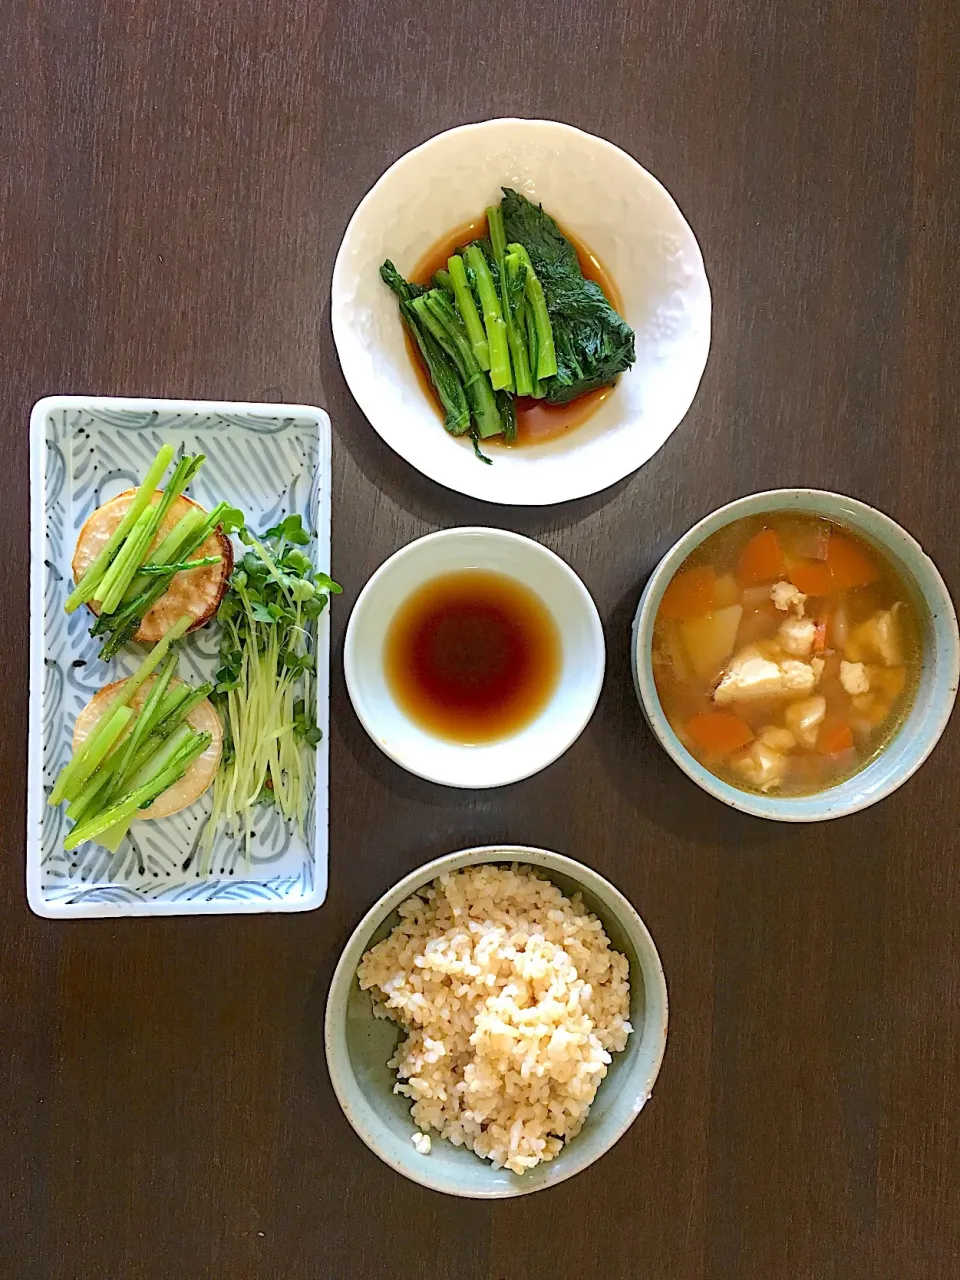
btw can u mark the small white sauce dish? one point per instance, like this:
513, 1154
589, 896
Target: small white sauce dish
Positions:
539, 742
619, 211
936, 692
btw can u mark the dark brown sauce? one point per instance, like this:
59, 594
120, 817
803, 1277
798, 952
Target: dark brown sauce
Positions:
472, 656
537, 421
438, 253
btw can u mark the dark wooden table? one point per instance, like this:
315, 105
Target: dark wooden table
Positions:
174, 182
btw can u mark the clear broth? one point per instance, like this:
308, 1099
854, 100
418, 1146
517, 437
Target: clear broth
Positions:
537, 421
472, 656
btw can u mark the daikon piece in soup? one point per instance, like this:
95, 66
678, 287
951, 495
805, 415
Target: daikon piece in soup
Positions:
786, 653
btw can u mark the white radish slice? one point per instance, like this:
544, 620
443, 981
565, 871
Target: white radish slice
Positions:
201, 772
195, 591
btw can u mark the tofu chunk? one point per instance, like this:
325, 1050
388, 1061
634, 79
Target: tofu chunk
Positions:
777, 739
879, 638
805, 717
798, 677
761, 766
749, 675
786, 596
796, 636
854, 678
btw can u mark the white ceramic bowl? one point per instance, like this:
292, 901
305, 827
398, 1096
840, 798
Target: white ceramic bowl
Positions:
936, 692
539, 743
619, 211
358, 1045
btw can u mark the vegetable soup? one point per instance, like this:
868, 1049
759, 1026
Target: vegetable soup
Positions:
786, 652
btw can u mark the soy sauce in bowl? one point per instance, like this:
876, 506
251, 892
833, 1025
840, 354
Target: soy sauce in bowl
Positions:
472, 656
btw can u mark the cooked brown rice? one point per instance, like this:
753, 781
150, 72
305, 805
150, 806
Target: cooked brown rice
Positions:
513, 1001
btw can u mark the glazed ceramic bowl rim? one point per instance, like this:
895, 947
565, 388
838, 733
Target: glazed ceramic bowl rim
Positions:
582, 470
929, 584
535, 763
653, 1034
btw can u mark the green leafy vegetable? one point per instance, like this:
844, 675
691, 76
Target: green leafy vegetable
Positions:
593, 344
512, 314
87, 759
125, 578
436, 312
125, 808
443, 373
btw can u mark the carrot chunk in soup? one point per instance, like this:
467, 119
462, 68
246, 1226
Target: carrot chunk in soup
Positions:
834, 737
849, 566
689, 595
719, 733
761, 560
812, 577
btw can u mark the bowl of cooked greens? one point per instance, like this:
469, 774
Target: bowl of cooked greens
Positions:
521, 311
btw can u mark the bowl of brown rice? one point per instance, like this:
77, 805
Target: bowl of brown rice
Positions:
496, 1022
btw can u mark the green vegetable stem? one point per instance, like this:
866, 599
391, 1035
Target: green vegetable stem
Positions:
436, 312
443, 373
137, 543
545, 365
516, 338
443, 280
124, 809
128, 758
121, 625
498, 348
89, 583
94, 749
468, 311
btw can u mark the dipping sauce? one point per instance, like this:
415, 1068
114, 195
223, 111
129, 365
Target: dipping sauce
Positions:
786, 653
472, 656
537, 421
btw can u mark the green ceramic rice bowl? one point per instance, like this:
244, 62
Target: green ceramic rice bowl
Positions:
359, 1045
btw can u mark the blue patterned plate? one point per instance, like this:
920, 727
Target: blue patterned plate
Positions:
269, 460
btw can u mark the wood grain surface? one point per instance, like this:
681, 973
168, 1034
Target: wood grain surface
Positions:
174, 181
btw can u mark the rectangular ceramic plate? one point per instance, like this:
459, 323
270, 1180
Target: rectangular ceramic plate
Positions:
269, 460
